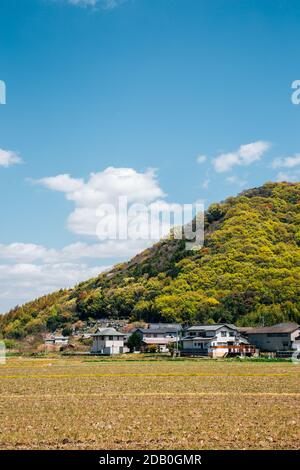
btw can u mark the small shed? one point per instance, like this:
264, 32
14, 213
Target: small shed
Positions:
55, 343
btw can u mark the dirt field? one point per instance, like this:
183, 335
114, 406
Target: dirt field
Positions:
68, 403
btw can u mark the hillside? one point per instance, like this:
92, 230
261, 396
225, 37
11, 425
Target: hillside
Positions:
248, 269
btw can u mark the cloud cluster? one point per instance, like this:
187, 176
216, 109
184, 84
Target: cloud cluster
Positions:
22, 282
245, 155
288, 177
290, 166
33, 253
287, 162
30, 270
9, 158
101, 188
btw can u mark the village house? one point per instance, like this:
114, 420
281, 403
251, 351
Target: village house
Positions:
56, 343
280, 337
160, 330
159, 335
108, 341
214, 341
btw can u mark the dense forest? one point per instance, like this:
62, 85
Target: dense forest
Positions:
248, 272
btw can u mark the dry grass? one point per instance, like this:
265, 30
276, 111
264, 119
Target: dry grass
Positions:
68, 403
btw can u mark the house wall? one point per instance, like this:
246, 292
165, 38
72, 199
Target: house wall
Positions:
219, 352
230, 337
280, 342
296, 345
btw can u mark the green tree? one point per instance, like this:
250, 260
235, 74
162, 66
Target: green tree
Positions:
134, 341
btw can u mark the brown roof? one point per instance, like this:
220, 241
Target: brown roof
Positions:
245, 329
279, 328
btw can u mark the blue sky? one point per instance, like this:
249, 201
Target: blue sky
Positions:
200, 91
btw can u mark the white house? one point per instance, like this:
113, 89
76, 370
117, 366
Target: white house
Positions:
214, 341
108, 341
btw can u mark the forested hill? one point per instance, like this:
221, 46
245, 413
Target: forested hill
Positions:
248, 269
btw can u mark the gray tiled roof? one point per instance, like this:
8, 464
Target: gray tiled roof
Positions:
211, 327
172, 326
157, 330
279, 328
108, 332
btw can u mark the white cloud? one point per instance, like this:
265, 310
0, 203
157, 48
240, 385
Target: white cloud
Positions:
23, 282
30, 252
22, 252
287, 162
28, 270
104, 4
234, 179
288, 177
205, 183
201, 158
63, 183
9, 158
245, 155
104, 187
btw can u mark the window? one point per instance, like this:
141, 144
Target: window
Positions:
223, 333
111, 338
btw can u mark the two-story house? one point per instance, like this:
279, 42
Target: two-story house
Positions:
108, 341
159, 330
160, 335
215, 341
